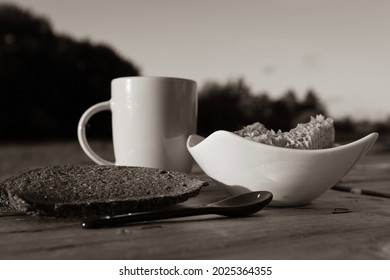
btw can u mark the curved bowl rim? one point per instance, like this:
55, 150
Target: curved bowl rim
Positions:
373, 135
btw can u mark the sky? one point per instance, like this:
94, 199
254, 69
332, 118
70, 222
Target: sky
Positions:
339, 48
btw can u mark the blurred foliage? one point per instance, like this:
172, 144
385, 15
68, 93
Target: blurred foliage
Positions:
48, 80
232, 105
349, 129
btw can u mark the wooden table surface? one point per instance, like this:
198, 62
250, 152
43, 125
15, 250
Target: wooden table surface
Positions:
338, 225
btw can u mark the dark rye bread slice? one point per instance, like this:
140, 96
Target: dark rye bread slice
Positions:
94, 190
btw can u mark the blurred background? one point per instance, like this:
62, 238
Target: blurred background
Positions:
277, 62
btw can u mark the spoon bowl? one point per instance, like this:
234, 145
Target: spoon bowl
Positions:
236, 206
241, 205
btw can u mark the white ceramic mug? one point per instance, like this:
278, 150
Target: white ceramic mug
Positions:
151, 120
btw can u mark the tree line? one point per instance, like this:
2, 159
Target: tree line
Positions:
48, 80
232, 105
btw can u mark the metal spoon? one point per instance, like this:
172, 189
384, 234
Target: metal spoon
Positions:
235, 206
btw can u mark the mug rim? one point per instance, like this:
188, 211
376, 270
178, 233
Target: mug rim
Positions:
151, 78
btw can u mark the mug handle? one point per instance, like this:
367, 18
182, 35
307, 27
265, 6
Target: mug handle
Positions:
103, 106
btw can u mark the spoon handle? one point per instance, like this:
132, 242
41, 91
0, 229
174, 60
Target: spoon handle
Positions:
144, 216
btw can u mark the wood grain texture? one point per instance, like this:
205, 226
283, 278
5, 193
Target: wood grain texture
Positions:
338, 225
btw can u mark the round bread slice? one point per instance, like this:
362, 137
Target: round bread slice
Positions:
95, 190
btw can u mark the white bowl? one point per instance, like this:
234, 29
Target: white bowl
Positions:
295, 177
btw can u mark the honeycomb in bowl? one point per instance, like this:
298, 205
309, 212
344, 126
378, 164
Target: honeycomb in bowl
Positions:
318, 133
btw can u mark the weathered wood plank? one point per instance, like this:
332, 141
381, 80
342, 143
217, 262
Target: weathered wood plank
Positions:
360, 231
338, 225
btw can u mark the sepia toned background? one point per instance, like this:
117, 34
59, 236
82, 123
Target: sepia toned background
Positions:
277, 62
